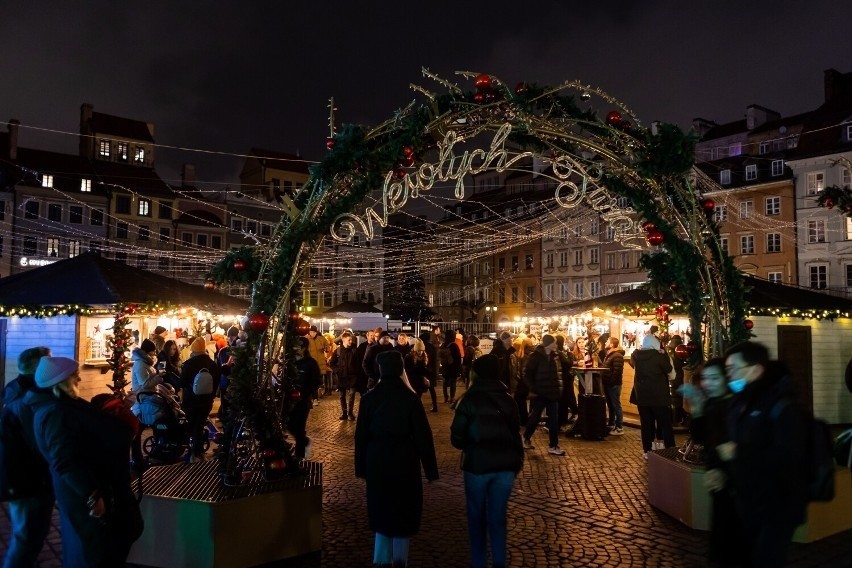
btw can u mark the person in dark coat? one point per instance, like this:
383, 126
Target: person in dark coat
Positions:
170, 358
197, 407
342, 364
542, 378
651, 383
404, 344
307, 382
383, 343
432, 361
709, 401
486, 428
417, 368
392, 439
32, 507
678, 364
360, 352
612, 381
452, 369
767, 452
87, 452
568, 398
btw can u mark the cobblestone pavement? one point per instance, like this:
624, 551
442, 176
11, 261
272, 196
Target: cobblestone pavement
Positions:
588, 508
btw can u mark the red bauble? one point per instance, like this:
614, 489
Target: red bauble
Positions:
748, 324
239, 264
258, 322
278, 464
209, 285
655, 238
829, 204
479, 97
520, 88
295, 395
268, 453
302, 327
681, 352
483, 81
613, 118
709, 205
407, 161
407, 151
648, 226
329, 143
399, 173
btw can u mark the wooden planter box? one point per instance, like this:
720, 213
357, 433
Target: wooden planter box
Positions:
192, 521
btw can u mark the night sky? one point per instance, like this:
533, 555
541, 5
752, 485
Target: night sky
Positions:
223, 77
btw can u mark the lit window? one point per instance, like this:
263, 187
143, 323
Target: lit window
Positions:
86, 185
773, 242
47, 180
846, 177
774, 277
747, 244
52, 247
720, 213
121, 151
139, 155
103, 148
73, 248
746, 209
144, 208
816, 231
751, 172
777, 167
773, 205
725, 177
818, 276
815, 182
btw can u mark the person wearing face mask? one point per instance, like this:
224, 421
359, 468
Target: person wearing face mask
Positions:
709, 400
541, 375
767, 452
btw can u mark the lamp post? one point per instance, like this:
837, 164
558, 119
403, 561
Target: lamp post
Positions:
387, 321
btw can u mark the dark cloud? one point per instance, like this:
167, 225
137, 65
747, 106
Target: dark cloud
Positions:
224, 77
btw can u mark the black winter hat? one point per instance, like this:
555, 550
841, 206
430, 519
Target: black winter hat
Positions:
148, 346
486, 366
390, 364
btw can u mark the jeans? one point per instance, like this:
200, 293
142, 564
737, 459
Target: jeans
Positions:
30, 520
537, 406
343, 393
391, 551
613, 401
487, 496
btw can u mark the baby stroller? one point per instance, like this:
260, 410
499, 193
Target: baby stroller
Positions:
160, 410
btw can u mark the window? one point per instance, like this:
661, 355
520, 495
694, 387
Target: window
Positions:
237, 224
563, 291
747, 244
563, 258
848, 228
96, 217
773, 242
818, 276
816, 231
53, 247
530, 294
594, 226
528, 262
594, 256
514, 294
144, 207
86, 185
746, 209
777, 167
815, 182
723, 244
95, 246
31, 209
548, 293
265, 230
610, 233
30, 246
773, 205
515, 264
201, 240
625, 260
327, 301
142, 261
139, 155
501, 265
121, 151
594, 288
54, 212
578, 289
751, 172
163, 264
186, 239
122, 204
164, 234
216, 242
792, 141
144, 233
725, 177
764, 147
774, 277
251, 227
121, 230
848, 272
845, 177
610, 261
47, 180
735, 149
103, 148
501, 295
75, 215
548, 260
165, 211
578, 257
720, 213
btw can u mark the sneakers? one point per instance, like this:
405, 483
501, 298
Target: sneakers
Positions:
528, 445
658, 445
351, 416
616, 432
645, 455
556, 451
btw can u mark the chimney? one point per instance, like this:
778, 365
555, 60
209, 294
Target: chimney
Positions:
87, 144
187, 175
14, 125
701, 126
757, 115
837, 84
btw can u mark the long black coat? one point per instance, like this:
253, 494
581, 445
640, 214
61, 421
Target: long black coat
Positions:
392, 439
87, 451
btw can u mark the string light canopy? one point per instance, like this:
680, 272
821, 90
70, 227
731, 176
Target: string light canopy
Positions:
592, 160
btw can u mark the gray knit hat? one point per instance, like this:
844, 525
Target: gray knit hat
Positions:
53, 370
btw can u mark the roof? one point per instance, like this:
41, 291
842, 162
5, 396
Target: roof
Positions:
725, 130
281, 160
353, 307
91, 280
67, 171
761, 294
118, 126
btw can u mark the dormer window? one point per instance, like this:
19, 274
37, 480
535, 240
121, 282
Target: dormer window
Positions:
848, 132
122, 151
751, 172
85, 185
103, 148
764, 147
777, 167
47, 180
725, 177
139, 155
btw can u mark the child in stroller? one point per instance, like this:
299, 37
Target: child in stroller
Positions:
160, 410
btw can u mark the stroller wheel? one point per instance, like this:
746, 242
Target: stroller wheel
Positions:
148, 445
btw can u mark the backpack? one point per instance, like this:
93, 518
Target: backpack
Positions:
21, 468
202, 383
820, 456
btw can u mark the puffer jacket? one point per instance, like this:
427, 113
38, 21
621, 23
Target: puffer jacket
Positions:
541, 374
651, 377
144, 375
614, 361
342, 362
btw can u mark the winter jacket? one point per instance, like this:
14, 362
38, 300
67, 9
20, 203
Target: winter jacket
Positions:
172, 375
369, 364
418, 373
614, 361
362, 379
316, 349
650, 379
486, 427
453, 369
392, 439
507, 364
308, 378
541, 375
31, 476
342, 362
87, 451
768, 471
191, 366
431, 354
404, 350
144, 375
